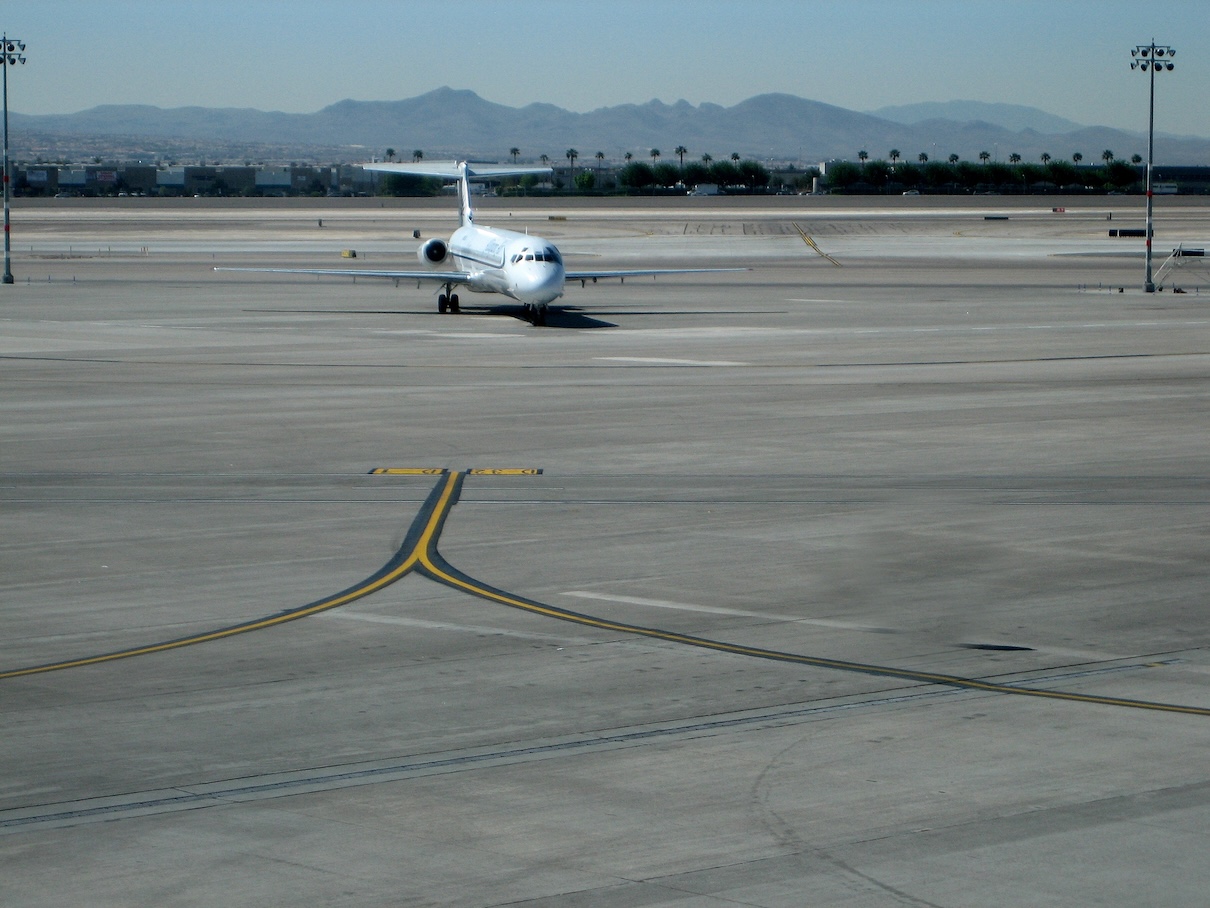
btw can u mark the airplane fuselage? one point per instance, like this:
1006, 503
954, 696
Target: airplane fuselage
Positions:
526, 268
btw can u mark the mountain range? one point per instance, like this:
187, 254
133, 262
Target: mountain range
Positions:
1014, 117
458, 123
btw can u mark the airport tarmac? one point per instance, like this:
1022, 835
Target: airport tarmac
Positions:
873, 576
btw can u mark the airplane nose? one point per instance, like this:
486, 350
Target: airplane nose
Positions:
541, 285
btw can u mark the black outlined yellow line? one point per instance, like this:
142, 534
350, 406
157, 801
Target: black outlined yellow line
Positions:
421, 535
419, 553
806, 238
431, 563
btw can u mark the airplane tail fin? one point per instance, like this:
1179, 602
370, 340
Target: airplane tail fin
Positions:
466, 214
462, 172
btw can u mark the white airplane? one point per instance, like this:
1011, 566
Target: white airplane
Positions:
521, 266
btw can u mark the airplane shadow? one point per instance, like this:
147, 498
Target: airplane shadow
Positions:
569, 317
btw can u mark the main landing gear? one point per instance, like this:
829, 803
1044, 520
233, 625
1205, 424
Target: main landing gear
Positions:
535, 315
448, 301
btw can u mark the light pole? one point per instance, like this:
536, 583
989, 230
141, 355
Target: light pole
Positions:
11, 53
1150, 59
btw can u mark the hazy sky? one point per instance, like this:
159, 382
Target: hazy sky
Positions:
1068, 57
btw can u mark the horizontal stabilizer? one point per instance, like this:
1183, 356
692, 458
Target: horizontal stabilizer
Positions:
456, 170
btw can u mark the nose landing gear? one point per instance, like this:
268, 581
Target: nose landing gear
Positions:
536, 315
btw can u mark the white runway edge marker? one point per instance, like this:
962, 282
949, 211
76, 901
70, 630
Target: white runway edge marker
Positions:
445, 626
661, 361
715, 610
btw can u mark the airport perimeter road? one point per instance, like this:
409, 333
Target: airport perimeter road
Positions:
874, 576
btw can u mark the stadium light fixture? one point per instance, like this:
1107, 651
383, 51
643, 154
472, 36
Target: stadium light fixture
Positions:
1147, 58
12, 53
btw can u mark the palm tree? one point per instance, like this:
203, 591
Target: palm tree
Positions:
1077, 157
629, 157
600, 156
417, 156
985, 156
735, 157
954, 159
1136, 159
1046, 157
655, 155
1107, 156
571, 154
514, 152
390, 154
680, 152
1014, 158
545, 159
863, 156
922, 158
894, 155
707, 159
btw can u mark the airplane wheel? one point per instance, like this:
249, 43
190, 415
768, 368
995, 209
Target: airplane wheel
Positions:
454, 303
443, 303
539, 316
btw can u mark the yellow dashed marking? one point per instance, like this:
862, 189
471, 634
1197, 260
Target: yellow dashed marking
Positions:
504, 472
406, 471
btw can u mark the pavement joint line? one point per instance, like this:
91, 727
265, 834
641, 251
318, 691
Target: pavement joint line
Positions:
291, 782
198, 795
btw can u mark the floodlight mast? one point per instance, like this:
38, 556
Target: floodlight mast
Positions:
1150, 58
12, 52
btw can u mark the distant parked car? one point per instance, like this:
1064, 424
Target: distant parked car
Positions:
912, 192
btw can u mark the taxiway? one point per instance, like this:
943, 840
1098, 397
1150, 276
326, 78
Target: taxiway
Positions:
951, 440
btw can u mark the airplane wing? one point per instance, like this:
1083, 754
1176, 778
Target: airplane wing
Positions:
445, 277
643, 272
460, 277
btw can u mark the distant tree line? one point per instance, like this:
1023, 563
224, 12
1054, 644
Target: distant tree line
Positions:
406, 184
733, 175
869, 176
987, 176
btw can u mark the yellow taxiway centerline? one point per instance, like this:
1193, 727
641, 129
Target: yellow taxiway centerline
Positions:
419, 553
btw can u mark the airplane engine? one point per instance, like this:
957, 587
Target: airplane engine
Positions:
433, 252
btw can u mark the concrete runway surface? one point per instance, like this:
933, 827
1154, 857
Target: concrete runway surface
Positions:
874, 576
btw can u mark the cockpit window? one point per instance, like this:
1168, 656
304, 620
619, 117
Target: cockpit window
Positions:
548, 254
